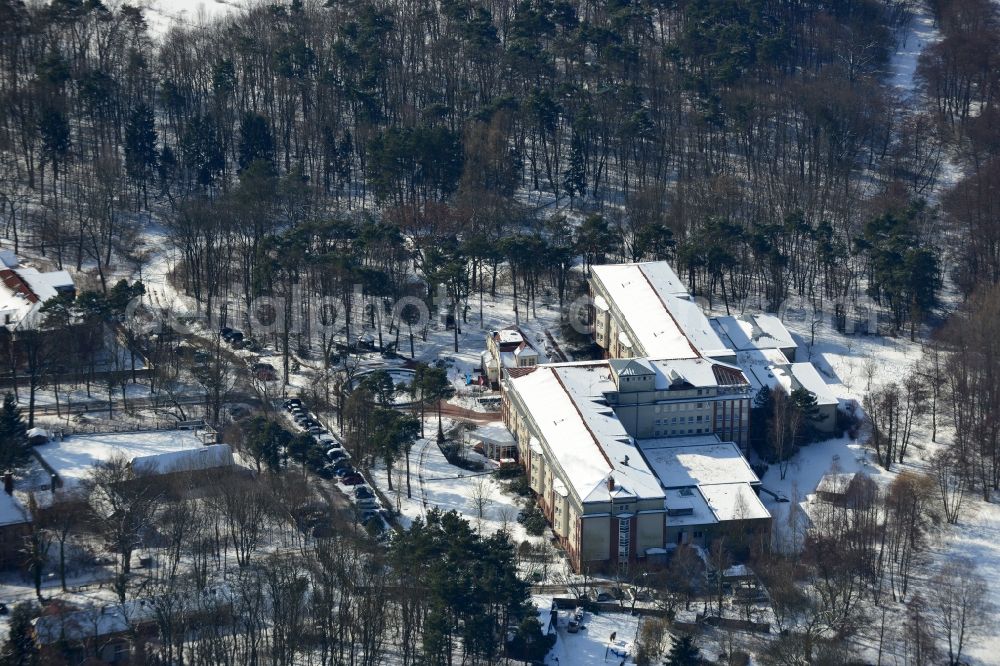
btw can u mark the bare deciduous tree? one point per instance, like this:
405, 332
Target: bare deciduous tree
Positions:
962, 611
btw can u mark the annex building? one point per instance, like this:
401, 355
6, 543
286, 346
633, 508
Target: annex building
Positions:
643, 310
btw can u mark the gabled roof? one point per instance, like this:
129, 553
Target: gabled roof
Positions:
835, 483
631, 367
583, 436
754, 331
651, 299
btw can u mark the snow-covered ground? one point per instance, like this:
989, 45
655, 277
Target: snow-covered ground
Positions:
161, 15
592, 644
437, 483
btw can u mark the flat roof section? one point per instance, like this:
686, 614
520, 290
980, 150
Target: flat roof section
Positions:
697, 465
74, 457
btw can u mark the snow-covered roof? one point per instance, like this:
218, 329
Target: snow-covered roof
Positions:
24, 290
757, 364
97, 621
791, 376
526, 351
753, 331
8, 259
659, 274
583, 436
644, 309
46, 285
698, 372
12, 511
734, 501
73, 458
508, 336
496, 433
655, 306
698, 464
189, 460
690, 501
835, 483
770, 368
631, 367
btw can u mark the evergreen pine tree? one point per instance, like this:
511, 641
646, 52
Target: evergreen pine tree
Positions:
20, 649
140, 145
13, 435
683, 652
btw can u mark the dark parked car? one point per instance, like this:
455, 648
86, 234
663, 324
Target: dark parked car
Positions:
345, 470
336, 454
353, 479
363, 492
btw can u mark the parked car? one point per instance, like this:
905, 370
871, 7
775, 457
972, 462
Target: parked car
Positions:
325, 472
574, 626
363, 492
292, 402
344, 470
336, 454
225, 331
316, 430
368, 503
326, 438
354, 479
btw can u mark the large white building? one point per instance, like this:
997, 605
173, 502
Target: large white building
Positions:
643, 310
582, 430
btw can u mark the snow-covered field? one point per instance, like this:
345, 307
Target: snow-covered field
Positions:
161, 15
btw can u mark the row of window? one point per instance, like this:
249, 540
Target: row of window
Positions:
678, 407
682, 431
673, 420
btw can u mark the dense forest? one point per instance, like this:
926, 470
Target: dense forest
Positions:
373, 149
756, 144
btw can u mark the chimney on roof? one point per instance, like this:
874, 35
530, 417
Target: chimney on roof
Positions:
8, 483
625, 462
611, 483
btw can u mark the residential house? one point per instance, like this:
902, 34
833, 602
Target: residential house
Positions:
505, 349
